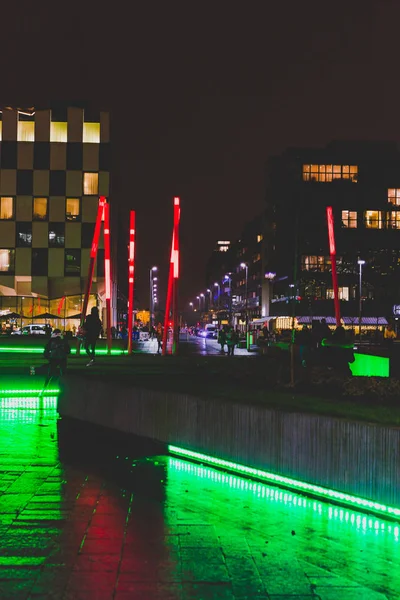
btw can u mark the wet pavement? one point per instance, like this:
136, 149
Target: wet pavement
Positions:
192, 345
80, 519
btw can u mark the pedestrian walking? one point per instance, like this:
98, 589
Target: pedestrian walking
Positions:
231, 341
92, 328
159, 335
222, 340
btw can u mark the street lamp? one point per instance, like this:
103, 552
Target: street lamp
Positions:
217, 286
198, 298
228, 278
360, 263
152, 279
191, 305
246, 266
209, 292
204, 303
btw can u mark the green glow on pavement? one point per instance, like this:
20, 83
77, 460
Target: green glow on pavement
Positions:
33, 402
30, 392
301, 486
34, 350
272, 494
367, 365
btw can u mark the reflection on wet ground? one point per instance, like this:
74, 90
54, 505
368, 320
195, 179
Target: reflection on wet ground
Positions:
80, 518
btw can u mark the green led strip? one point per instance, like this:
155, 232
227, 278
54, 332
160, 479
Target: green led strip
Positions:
287, 482
33, 350
29, 392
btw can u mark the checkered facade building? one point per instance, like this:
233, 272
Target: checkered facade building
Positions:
49, 256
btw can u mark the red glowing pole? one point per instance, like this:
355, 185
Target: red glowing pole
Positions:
175, 323
172, 283
332, 250
107, 272
93, 254
131, 278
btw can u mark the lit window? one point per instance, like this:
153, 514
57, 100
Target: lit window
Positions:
343, 293
56, 235
40, 209
315, 263
394, 196
90, 184
256, 257
24, 234
325, 173
260, 237
72, 209
394, 219
91, 133
349, 219
7, 261
58, 131
26, 131
373, 219
6, 208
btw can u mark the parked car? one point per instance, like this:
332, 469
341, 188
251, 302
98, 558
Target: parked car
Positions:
210, 331
33, 329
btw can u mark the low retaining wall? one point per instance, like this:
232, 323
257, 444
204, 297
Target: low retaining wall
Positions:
351, 457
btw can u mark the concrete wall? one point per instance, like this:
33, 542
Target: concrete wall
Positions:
351, 457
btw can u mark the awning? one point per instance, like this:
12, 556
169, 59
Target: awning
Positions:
262, 320
365, 321
309, 320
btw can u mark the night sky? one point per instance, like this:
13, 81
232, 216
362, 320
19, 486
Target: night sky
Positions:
201, 94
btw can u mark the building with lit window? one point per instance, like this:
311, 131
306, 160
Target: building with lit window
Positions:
361, 181
54, 165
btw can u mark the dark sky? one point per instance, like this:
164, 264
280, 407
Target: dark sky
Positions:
201, 94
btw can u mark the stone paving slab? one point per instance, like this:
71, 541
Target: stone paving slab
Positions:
78, 523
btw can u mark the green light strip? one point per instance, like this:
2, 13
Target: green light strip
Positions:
30, 392
33, 350
316, 490
274, 494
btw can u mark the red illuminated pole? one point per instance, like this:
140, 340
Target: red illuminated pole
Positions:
332, 250
93, 254
107, 272
172, 292
92, 261
131, 278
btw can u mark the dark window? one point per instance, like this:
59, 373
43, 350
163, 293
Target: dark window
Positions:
41, 155
100, 263
9, 155
24, 234
7, 261
24, 183
74, 156
91, 115
59, 114
72, 264
105, 157
87, 235
40, 258
40, 209
56, 235
57, 183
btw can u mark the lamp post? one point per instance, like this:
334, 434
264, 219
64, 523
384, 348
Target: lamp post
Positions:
198, 298
218, 291
204, 302
246, 266
228, 278
191, 305
360, 263
210, 300
152, 279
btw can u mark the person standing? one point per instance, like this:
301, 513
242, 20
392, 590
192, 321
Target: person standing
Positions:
159, 335
92, 329
56, 351
231, 341
222, 339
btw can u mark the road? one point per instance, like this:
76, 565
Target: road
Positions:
190, 345
83, 520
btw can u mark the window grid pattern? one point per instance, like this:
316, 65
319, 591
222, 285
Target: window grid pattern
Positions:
316, 263
326, 173
394, 196
349, 219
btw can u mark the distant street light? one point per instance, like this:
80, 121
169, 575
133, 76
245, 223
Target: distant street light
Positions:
246, 266
360, 263
218, 292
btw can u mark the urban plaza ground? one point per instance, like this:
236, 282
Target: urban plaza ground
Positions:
88, 511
